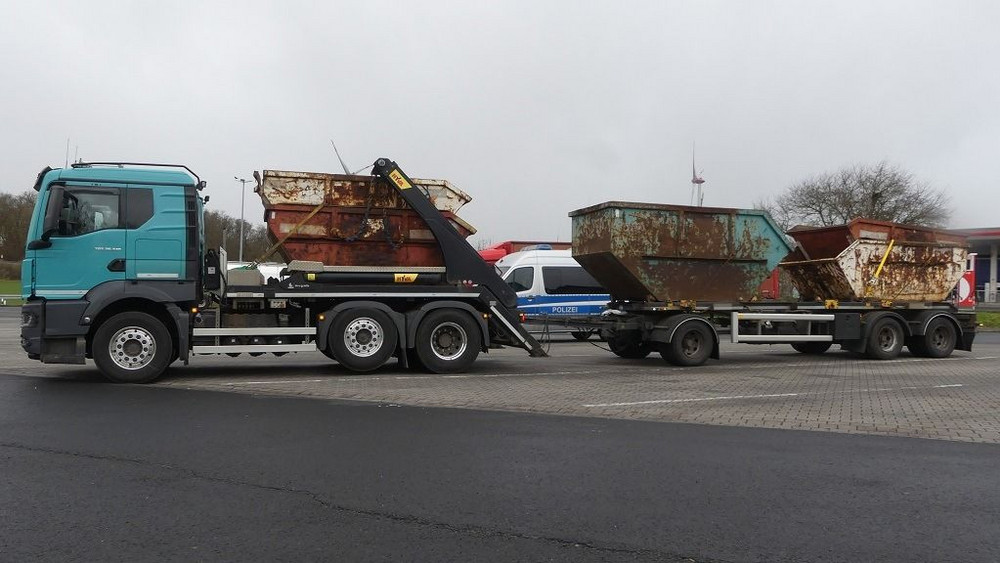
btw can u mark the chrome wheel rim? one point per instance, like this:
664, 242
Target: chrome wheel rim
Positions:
132, 348
363, 337
449, 341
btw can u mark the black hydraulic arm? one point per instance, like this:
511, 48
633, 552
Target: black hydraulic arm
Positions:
461, 261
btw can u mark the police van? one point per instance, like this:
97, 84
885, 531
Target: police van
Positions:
552, 286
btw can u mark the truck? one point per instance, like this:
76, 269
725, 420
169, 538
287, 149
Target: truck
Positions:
683, 278
116, 270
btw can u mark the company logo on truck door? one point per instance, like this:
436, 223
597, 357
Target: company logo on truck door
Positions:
397, 177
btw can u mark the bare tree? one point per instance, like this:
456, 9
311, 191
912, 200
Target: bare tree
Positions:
224, 230
15, 215
879, 191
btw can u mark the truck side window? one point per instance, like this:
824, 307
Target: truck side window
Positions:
85, 210
521, 279
139, 207
569, 279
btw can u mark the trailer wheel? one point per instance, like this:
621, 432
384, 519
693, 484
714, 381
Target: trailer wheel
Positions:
885, 339
629, 348
362, 339
448, 341
132, 347
811, 348
938, 341
690, 346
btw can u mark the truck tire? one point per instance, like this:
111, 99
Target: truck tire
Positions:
628, 347
885, 339
362, 339
448, 341
132, 347
691, 345
811, 348
328, 352
937, 342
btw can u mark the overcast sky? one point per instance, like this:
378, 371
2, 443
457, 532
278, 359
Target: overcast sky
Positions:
534, 108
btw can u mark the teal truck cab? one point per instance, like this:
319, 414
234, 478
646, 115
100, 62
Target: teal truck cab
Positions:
116, 270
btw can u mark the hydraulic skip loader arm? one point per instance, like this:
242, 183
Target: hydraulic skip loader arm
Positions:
461, 261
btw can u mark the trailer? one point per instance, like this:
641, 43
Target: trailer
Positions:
683, 278
116, 270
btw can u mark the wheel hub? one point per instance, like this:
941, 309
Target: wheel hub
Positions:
449, 341
691, 344
132, 348
363, 337
887, 339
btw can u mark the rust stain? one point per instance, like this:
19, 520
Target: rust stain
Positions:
668, 253
364, 221
924, 264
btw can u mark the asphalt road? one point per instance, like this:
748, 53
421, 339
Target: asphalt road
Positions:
94, 471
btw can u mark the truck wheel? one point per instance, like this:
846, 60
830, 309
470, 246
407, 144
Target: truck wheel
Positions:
581, 335
939, 340
885, 339
132, 347
362, 339
448, 341
691, 345
629, 348
811, 348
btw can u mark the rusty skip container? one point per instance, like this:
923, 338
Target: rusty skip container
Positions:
840, 262
647, 251
363, 220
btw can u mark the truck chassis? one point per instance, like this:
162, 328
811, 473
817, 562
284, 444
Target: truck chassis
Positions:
689, 334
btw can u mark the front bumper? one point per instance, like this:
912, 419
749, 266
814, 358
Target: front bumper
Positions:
51, 331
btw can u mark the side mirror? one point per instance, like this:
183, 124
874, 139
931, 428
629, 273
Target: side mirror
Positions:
50, 223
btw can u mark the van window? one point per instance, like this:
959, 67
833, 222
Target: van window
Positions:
522, 279
569, 279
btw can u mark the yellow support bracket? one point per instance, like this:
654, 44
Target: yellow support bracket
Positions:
870, 290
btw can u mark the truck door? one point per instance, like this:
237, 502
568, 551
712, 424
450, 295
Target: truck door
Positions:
156, 233
89, 246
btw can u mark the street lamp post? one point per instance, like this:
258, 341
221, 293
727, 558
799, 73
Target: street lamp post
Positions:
243, 185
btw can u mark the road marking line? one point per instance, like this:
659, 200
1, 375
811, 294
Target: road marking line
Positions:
768, 396
692, 400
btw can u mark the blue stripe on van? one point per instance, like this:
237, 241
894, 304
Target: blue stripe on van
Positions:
567, 305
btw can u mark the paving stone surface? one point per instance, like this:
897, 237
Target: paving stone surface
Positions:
956, 398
